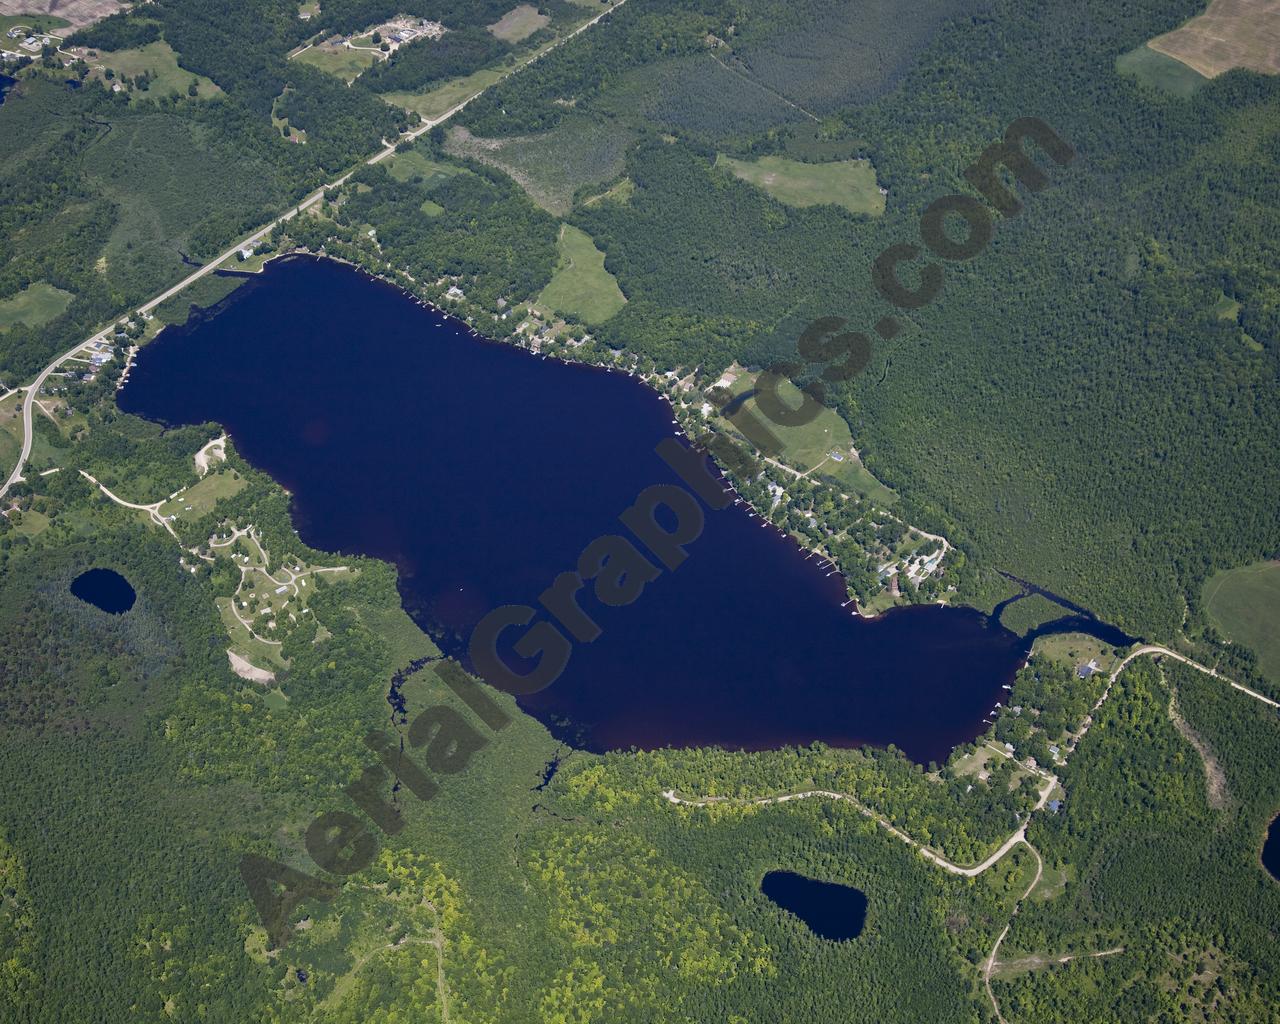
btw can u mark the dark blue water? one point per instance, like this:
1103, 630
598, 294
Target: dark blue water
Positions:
6, 83
104, 589
482, 472
831, 911
1080, 621
1271, 850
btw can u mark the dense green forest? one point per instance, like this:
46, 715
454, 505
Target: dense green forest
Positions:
1073, 407
1162, 846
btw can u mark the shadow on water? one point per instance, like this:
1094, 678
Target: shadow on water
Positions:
830, 910
104, 589
483, 471
1081, 621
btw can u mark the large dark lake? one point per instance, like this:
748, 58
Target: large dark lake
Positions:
482, 472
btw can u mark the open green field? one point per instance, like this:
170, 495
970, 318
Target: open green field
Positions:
1244, 605
1054, 882
847, 183
1226, 308
414, 164
1075, 649
552, 166
341, 62
581, 285
519, 23
199, 499
443, 98
10, 433
160, 62
810, 445
621, 193
34, 306
1160, 71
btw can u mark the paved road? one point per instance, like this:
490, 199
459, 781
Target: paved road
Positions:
390, 147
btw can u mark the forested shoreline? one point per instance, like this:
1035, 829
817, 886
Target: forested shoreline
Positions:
1090, 404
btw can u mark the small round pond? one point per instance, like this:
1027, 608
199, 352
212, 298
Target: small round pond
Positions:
104, 589
832, 911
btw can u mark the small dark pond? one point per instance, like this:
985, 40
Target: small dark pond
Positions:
832, 911
1271, 849
104, 589
482, 472
6, 83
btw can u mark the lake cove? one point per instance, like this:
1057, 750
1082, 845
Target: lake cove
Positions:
104, 589
831, 911
482, 472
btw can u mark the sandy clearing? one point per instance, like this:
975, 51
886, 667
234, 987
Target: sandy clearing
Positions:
245, 670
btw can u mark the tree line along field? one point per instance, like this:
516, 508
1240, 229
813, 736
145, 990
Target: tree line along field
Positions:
552, 167
156, 62
519, 23
1018, 415
1160, 71
581, 285
848, 183
1244, 605
1230, 34
34, 306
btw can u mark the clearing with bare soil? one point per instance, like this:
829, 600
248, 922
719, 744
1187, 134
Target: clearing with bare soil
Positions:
1230, 34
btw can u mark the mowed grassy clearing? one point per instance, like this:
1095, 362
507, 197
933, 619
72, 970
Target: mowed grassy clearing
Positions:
200, 498
339, 61
34, 306
847, 183
1244, 605
1160, 71
160, 62
810, 445
414, 164
519, 23
439, 101
582, 285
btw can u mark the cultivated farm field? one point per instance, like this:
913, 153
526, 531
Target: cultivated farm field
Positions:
72, 13
1230, 34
